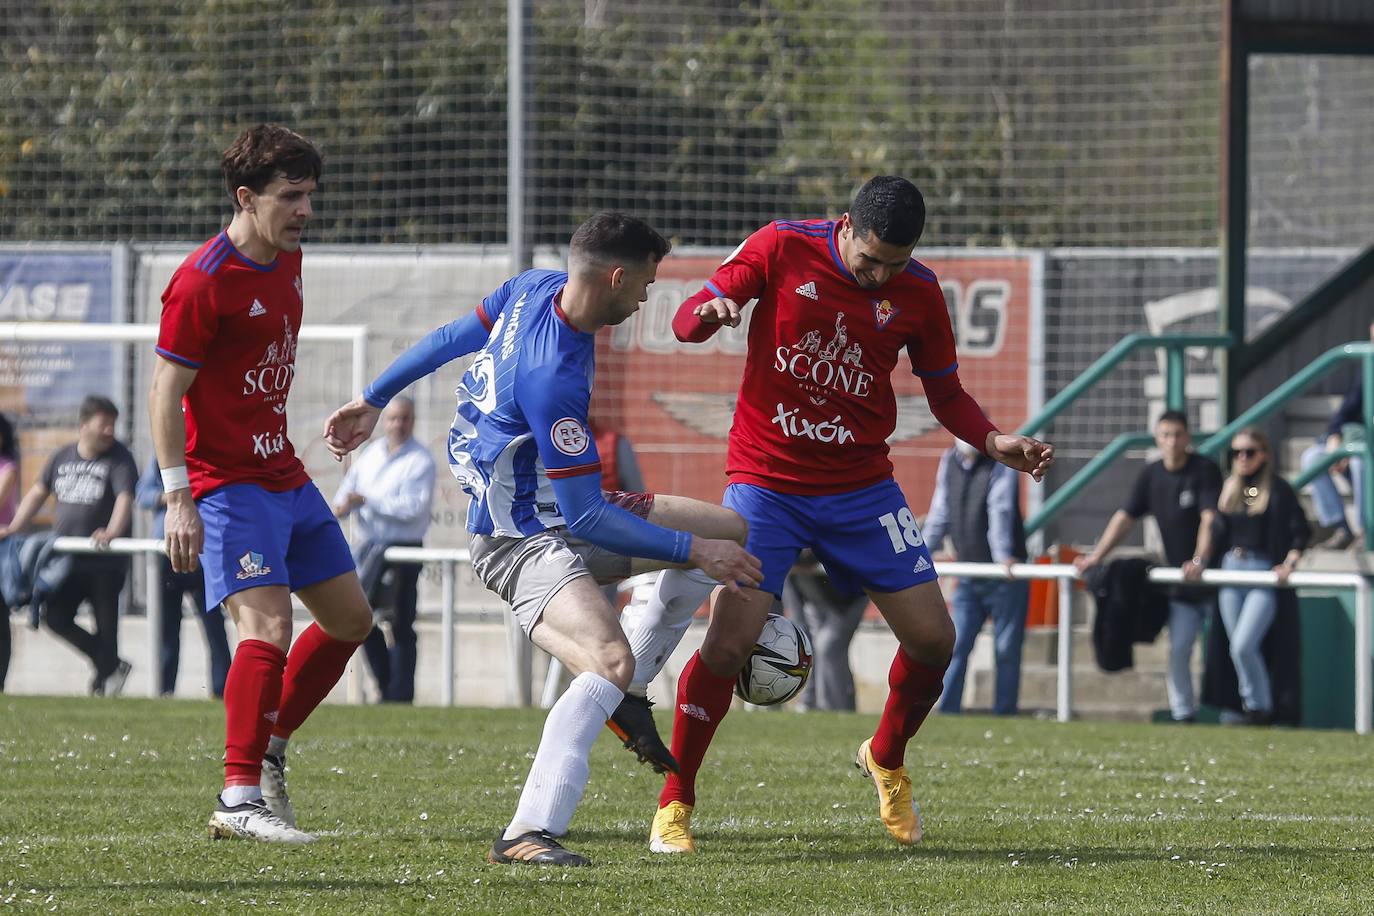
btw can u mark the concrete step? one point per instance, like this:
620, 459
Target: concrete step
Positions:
1134, 688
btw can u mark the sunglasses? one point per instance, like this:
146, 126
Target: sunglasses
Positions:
1245, 452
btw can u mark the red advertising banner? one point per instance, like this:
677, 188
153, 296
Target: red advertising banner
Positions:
675, 401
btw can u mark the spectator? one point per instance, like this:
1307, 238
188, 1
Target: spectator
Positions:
9, 498
1180, 490
977, 504
1259, 526
1347, 424
390, 488
93, 481
175, 586
830, 617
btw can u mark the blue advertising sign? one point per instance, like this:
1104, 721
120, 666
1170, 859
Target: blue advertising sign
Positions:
46, 380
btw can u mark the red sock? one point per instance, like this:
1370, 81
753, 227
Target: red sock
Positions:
316, 663
707, 695
913, 689
252, 695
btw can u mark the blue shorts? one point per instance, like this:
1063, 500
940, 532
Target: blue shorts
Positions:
255, 537
867, 539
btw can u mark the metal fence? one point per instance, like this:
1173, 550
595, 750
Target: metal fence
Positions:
518, 658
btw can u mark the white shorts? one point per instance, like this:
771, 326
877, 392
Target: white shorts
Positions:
528, 571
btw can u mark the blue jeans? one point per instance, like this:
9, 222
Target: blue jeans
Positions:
974, 601
1325, 498
1185, 620
1247, 614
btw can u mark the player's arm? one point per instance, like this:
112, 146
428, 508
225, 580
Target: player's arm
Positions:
185, 533
721, 301
554, 402
933, 360
352, 424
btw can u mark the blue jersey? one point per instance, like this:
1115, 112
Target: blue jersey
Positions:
522, 409
520, 444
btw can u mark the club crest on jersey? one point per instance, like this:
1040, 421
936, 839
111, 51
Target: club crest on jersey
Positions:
883, 312
251, 564
569, 436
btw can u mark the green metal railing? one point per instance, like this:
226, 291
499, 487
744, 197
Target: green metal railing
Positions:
1213, 445
1176, 355
1175, 345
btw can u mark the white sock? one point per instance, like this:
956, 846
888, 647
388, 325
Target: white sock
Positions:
237, 795
559, 774
276, 746
658, 615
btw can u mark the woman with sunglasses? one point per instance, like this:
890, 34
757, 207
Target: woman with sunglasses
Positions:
1261, 527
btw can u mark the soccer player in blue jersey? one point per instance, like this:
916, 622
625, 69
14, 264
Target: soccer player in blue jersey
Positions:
543, 532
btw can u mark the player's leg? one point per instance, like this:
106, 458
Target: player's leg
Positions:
660, 612
558, 604
779, 526
323, 577
244, 559
872, 538
252, 699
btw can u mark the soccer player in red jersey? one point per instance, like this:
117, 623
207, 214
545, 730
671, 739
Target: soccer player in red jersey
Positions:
838, 301
238, 499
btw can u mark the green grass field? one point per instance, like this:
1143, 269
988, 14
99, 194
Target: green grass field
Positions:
103, 807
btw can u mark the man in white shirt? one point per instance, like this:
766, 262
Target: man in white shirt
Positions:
388, 490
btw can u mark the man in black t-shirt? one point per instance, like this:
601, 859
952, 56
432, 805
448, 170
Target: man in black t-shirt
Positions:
1180, 491
93, 481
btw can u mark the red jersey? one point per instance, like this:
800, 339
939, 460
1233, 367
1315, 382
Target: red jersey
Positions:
236, 321
816, 404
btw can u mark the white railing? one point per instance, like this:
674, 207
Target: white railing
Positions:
518, 679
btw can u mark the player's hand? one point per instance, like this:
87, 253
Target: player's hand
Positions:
726, 562
720, 311
185, 532
1022, 453
349, 427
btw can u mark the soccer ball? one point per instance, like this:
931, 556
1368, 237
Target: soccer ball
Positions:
778, 667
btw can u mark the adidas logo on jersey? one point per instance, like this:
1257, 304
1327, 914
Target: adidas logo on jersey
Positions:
922, 565
256, 309
808, 290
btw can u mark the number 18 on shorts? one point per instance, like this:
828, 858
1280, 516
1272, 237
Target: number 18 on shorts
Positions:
867, 538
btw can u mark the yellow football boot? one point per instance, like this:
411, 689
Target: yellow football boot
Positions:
895, 805
672, 831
